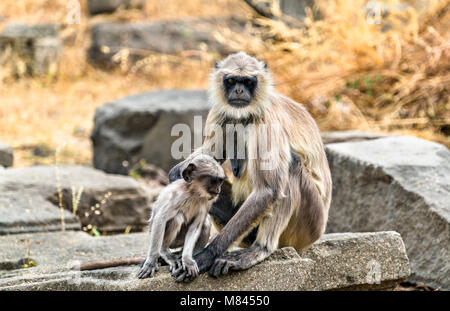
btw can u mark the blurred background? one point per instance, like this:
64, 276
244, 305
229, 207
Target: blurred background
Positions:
378, 66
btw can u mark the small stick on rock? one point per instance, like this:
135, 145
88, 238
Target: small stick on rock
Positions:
103, 264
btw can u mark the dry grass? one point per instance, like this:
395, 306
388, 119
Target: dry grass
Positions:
347, 72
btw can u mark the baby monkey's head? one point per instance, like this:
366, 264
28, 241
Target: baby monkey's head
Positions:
204, 175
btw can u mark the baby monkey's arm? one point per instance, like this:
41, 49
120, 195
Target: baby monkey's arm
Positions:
190, 269
157, 228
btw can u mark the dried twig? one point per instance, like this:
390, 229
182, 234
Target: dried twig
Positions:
103, 264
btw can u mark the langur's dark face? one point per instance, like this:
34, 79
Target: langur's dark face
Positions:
239, 90
211, 184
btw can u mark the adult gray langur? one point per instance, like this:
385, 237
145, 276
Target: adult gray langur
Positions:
260, 208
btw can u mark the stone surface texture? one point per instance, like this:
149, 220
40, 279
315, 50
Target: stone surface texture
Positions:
140, 127
397, 183
30, 199
6, 155
337, 261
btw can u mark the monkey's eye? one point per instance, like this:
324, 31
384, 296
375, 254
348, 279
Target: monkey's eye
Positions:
231, 81
248, 82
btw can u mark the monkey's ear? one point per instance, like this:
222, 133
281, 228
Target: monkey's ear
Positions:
216, 65
265, 66
187, 172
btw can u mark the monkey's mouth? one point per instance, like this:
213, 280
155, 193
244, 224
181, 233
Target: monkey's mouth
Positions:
239, 103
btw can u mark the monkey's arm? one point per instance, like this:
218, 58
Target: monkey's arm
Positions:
254, 207
189, 265
157, 228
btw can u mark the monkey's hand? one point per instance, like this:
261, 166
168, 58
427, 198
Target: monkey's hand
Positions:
238, 260
148, 269
176, 267
189, 272
203, 260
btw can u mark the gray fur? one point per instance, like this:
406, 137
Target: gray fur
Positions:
289, 203
180, 215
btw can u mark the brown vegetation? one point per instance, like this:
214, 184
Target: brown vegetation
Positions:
350, 74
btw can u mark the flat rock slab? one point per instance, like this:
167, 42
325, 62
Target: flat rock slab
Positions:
296, 8
30, 200
36, 47
109, 6
396, 183
337, 261
165, 37
6, 155
140, 126
346, 136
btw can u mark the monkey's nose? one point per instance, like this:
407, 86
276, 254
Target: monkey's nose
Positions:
235, 171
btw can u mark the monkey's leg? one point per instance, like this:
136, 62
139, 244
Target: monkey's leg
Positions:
297, 220
310, 214
223, 210
248, 215
203, 239
270, 229
204, 235
172, 231
190, 268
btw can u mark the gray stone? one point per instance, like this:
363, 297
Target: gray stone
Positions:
33, 50
396, 183
6, 155
337, 261
30, 200
346, 136
109, 6
166, 37
139, 127
296, 8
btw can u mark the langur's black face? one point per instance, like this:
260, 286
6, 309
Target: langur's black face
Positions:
212, 184
239, 90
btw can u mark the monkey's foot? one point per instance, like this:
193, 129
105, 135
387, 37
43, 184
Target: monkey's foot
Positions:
173, 260
148, 269
204, 261
238, 260
188, 272
176, 267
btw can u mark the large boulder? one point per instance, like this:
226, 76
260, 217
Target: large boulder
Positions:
6, 155
30, 200
167, 37
109, 6
396, 183
32, 49
337, 261
139, 127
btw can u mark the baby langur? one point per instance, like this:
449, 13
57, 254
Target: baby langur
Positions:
181, 211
